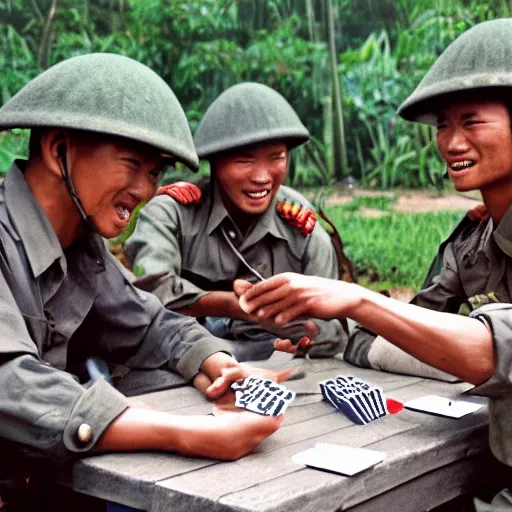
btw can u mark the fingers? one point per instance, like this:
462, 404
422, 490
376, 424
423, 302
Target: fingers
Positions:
267, 286
202, 382
263, 302
223, 383
288, 314
287, 346
311, 329
283, 311
240, 286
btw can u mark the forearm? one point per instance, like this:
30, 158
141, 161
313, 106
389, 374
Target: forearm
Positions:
145, 429
456, 344
228, 437
219, 304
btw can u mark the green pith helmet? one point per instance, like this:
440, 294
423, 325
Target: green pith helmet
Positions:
244, 114
104, 93
480, 58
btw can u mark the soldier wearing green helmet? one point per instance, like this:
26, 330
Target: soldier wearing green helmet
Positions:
243, 223
103, 129
460, 323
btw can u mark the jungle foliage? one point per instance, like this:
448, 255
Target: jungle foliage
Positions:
345, 66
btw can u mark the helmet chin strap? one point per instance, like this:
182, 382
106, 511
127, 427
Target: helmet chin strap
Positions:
63, 159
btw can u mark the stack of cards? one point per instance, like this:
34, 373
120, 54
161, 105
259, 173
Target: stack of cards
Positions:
359, 401
262, 396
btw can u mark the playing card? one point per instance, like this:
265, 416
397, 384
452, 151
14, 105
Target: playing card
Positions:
344, 460
376, 396
262, 396
442, 406
345, 403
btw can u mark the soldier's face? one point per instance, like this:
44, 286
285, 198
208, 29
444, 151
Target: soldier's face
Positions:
249, 178
111, 178
475, 140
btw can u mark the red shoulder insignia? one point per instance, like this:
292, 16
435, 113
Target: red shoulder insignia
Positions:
182, 192
304, 219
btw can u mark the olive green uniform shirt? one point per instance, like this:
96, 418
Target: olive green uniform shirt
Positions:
475, 263
60, 307
187, 242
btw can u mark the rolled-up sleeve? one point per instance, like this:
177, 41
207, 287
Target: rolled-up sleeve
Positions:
154, 247
42, 407
498, 318
133, 328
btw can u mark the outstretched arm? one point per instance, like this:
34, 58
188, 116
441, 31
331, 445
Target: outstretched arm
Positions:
456, 344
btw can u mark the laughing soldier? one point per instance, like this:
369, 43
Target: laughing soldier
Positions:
247, 225
103, 128
466, 94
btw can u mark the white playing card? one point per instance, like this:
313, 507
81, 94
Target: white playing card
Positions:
345, 460
262, 396
442, 406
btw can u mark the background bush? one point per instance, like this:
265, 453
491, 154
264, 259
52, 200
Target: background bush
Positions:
201, 47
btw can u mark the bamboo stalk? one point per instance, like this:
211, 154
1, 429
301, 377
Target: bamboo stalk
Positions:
44, 49
340, 149
311, 20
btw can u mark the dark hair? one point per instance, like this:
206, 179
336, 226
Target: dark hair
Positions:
34, 143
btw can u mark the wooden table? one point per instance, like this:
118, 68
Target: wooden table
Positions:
429, 459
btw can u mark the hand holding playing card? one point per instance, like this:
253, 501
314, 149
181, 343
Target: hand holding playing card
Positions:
262, 396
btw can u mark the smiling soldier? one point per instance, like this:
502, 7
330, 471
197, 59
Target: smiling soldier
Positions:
464, 325
248, 225
103, 129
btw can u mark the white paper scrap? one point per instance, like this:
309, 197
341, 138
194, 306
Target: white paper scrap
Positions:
442, 406
345, 460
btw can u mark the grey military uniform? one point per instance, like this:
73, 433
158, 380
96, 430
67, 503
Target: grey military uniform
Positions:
474, 262
187, 242
59, 307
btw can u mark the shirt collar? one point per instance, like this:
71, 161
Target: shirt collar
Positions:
36, 232
265, 224
503, 233
218, 212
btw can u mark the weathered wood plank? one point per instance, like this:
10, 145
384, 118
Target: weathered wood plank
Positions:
129, 478
430, 490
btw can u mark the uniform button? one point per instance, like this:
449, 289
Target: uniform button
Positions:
231, 234
85, 433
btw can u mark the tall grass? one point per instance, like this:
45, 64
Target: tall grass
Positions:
395, 249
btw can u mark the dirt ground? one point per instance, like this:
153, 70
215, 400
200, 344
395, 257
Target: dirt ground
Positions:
411, 201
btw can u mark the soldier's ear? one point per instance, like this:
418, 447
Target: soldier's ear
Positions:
54, 143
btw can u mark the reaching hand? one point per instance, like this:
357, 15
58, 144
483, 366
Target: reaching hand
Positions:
287, 296
291, 334
182, 192
219, 371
